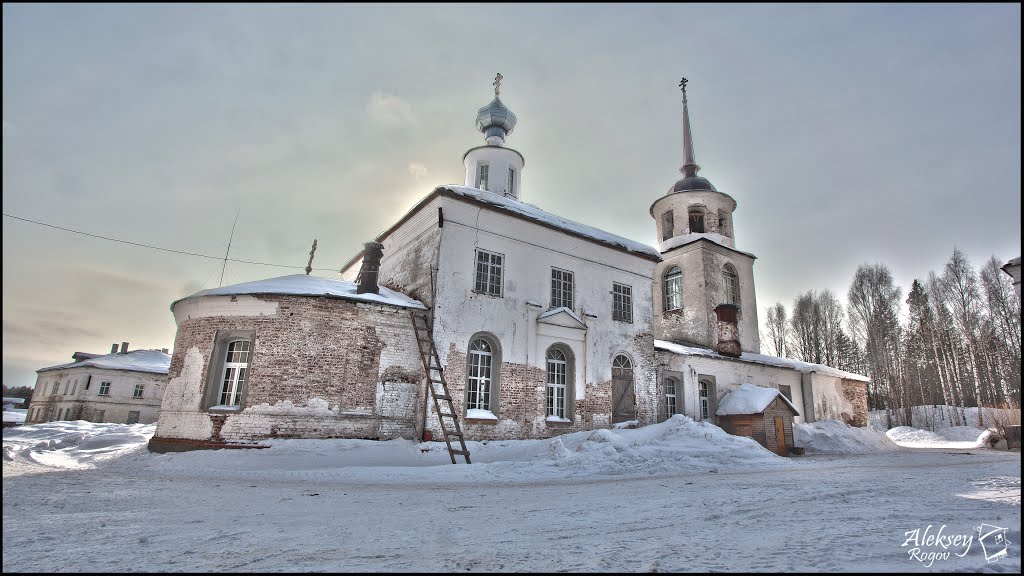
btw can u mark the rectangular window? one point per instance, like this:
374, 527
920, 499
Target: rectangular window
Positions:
99, 416
488, 273
74, 388
133, 417
482, 180
138, 391
561, 288
622, 302
67, 385
670, 397
104, 389
786, 391
56, 387
511, 181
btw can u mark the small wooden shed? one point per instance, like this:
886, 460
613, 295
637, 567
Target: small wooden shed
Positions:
763, 414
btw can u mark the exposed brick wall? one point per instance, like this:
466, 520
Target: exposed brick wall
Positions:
320, 368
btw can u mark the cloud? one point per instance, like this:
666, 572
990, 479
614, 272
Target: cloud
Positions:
418, 170
388, 110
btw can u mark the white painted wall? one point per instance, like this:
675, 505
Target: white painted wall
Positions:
530, 251
499, 160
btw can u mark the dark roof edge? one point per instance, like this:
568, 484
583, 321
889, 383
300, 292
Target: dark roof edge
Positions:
713, 243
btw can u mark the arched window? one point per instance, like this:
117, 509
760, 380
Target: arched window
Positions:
696, 220
670, 398
667, 225
673, 288
236, 365
558, 371
731, 283
704, 393
479, 373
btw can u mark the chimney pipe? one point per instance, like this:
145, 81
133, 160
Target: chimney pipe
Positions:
124, 347
113, 348
372, 253
728, 330
164, 350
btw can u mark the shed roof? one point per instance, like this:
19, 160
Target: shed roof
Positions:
799, 366
304, 285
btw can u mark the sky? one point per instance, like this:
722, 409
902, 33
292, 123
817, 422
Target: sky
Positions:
847, 134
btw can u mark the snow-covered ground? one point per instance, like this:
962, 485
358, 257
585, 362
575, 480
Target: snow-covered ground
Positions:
674, 496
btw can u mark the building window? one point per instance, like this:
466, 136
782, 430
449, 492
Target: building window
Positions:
704, 391
511, 181
56, 387
481, 181
622, 302
133, 417
723, 223
556, 383
104, 389
480, 375
138, 391
236, 367
67, 385
488, 273
98, 416
696, 220
786, 391
74, 387
561, 288
673, 288
731, 282
670, 398
668, 224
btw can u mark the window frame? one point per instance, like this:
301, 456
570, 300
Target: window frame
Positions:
676, 279
622, 302
489, 273
562, 277
483, 175
567, 386
97, 416
215, 370
671, 400
730, 285
140, 388
668, 225
698, 216
511, 181
138, 415
104, 389
494, 376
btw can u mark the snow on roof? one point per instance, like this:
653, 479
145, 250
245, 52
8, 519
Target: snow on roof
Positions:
749, 399
538, 215
805, 367
303, 285
713, 237
9, 400
153, 361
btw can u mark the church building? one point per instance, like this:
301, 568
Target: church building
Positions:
539, 324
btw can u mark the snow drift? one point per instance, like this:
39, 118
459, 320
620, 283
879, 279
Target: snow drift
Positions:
835, 437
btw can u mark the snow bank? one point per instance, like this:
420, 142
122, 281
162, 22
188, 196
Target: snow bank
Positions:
73, 444
951, 437
835, 437
15, 415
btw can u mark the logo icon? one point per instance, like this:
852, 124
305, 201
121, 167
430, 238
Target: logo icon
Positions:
993, 541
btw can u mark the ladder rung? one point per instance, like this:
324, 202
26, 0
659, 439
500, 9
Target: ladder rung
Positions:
452, 416
453, 433
442, 397
460, 452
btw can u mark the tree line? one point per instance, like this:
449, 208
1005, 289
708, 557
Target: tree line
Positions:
958, 343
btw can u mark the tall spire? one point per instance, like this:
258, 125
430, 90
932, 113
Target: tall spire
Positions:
690, 166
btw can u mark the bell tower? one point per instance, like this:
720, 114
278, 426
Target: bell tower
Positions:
701, 267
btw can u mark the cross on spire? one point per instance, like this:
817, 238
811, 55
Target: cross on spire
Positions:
497, 84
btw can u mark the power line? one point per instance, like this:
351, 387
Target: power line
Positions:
158, 247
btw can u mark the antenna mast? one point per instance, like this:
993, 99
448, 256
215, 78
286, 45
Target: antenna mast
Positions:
228, 251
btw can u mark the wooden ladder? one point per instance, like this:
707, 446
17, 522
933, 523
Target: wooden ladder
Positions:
438, 386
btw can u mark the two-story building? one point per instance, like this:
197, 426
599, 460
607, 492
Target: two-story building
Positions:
123, 387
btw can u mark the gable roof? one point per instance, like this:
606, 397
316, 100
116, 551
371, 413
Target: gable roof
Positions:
750, 399
303, 285
562, 316
799, 366
525, 211
153, 361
